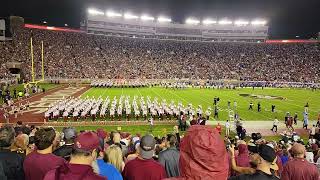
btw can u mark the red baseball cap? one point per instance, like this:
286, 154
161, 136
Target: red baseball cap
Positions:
87, 141
102, 133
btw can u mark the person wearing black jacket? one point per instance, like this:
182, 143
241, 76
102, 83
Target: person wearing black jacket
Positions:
169, 158
65, 151
11, 164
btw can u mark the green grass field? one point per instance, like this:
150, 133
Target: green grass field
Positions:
158, 130
294, 101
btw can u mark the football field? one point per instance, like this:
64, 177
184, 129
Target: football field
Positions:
285, 100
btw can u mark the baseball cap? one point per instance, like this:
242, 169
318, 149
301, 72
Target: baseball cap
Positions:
147, 145
266, 152
69, 132
101, 133
87, 141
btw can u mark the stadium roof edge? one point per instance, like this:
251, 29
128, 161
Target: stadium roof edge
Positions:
51, 28
292, 41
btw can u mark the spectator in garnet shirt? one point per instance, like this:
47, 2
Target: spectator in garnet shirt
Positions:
39, 162
144, 167
83, 155
299, 168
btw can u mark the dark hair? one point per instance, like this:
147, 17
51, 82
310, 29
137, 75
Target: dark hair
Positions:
7, 135
119, 145
80, 152
172, 139
31, 140
26, 130
44, 138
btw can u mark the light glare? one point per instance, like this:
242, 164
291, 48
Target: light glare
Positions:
146, 18
208, 22
224, 22
259, 22
113, 14
130, 16
95, 12
192, 21
241, 23
163, 19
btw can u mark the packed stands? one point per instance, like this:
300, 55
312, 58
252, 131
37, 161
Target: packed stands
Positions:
80, 55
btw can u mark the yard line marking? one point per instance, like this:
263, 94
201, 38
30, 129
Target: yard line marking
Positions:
177, 96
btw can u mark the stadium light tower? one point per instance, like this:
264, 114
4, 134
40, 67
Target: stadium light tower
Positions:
146, 18
259, 22
95, 12
113, 14
208, 22
241, 23
163, 19
130, 16
225, 22
192, 21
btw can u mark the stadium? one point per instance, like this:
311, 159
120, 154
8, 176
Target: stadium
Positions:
202, 88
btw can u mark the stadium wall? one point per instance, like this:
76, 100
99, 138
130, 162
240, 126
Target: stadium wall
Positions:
2, 29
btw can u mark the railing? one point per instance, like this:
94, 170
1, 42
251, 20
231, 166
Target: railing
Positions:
203, 81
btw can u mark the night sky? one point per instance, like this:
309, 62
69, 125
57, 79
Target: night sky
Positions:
286, 18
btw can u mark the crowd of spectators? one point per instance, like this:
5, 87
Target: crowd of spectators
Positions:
32, 153
80, 55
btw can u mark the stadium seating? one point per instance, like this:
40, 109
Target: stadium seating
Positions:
80, 55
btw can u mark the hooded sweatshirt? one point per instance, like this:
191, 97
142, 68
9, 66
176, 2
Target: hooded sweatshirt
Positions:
203, 155
242, 159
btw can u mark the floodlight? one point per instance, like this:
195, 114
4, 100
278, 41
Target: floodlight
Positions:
259, 22
208, 22
130, 16
241, 22
225, 22
113, 14
95, 12
192, 21
146, 18
163, 19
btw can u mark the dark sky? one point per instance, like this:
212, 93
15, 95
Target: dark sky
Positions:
287, 18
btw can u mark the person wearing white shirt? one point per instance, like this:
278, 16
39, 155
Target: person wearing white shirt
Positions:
275, 124
208, 113
313, 131
65, 115
47, 115
151, 123
112, 114
227, 128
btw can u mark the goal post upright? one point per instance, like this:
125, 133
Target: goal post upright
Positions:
42, 61
32, 60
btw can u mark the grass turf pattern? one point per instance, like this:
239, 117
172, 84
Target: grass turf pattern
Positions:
293, 102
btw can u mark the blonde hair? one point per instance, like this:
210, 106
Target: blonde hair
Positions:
20, 143
116, 138
113, 155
